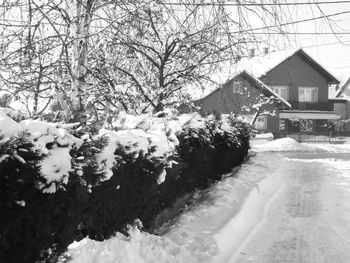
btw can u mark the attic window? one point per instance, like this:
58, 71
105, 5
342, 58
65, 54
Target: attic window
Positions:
237, 87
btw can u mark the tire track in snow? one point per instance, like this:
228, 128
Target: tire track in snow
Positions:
300, 225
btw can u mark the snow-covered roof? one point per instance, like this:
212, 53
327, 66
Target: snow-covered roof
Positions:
258, 65
261, 64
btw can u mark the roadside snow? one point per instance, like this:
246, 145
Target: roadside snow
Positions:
285, 145
140, 247
266, 136
226, 221
205, 231
290, 145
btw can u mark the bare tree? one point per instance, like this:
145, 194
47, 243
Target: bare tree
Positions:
33, 58
134, 55
156, 50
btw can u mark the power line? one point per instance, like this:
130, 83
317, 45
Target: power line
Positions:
327, 44
302, 33
294, 22
254, 4
22, 23
227, 3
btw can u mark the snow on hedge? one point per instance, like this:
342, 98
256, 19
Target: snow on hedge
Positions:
137, 133
8, 126
142, 132
55, 143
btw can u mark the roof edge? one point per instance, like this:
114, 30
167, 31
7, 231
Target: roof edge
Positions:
334, 80
268, 88
341, 90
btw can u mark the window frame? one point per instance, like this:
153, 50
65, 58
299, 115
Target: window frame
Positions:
265, 122
237, 87
308, 88
275, 88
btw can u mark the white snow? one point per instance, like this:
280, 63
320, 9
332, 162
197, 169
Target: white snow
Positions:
138, 248
4, 157
228, 217
285, 145
138, 133
142, 132
161, 177
8, 126
265, 136
200, 234
56, 166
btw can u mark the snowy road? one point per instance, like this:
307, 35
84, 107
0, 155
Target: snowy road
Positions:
309, 221
278, 208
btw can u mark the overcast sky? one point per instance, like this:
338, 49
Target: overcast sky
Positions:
332, 51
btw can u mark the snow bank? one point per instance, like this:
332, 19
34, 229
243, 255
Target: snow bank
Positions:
209, 231
266, 136
138, 248
285, 145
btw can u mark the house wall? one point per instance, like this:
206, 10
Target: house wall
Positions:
295, 72
340, 108
347, 108
273, 124
225, 100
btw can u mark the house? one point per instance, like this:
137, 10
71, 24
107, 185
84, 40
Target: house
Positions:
341, 106
296, 80
246, 95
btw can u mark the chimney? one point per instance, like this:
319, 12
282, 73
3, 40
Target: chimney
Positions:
251, 52
238, 58
266, 51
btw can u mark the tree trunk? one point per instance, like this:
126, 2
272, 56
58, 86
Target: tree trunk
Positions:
80, 30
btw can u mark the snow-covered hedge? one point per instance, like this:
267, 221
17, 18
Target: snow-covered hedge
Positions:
56, 188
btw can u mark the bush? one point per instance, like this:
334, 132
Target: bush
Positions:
38, 227
34, 225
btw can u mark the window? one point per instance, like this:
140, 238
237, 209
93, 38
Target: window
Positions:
260, 123
282, 91
237, 87
308, 94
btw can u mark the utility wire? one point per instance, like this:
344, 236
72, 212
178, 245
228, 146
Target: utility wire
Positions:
22, 23
301, 33
295, 22
227, 3
254, 4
